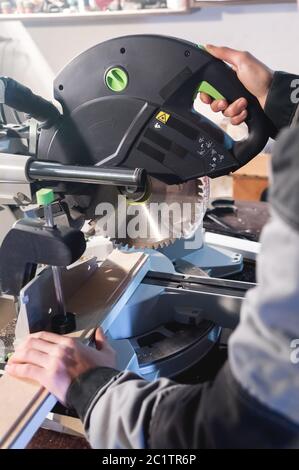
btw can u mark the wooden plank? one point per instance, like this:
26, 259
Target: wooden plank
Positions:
108, 283
20, 400
259, 166
249, 188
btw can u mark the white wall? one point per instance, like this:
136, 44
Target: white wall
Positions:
21, 59
270, 32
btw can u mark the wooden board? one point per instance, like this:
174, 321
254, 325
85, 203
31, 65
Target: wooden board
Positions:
21, 401
260, 166
249, 188
250, 181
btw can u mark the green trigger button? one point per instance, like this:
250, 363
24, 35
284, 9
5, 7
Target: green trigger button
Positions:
205, 87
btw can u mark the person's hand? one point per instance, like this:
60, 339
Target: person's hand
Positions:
254, 75
55, 361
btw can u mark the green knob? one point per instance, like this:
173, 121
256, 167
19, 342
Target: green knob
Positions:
117, 79
45, 196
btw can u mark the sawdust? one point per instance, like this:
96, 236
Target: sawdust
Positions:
7, 336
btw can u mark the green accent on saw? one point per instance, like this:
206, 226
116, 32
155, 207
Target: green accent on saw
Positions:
45, 197
8, 356
117, 79
201, 46
205, 87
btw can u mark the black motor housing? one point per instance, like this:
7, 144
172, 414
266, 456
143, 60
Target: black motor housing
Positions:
147, 120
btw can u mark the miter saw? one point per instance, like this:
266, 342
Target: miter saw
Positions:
128, 129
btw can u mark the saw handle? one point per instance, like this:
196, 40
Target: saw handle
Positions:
225, 81
22, 99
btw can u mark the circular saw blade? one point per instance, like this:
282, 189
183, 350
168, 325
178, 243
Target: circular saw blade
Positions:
167, 213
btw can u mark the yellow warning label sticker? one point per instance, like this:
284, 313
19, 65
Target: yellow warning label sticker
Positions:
163, 117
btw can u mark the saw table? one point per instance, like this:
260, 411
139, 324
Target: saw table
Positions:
256, 215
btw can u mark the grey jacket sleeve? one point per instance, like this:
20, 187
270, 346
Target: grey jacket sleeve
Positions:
284, 190
128, 412
261, 348
282, 101
117, 408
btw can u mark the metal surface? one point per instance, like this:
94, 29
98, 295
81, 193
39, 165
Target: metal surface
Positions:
14, 182
13, 168
168, 213
201, 284
215, 261
51, 171
247, 248
57, 278
170, 339
217, 300
36, 311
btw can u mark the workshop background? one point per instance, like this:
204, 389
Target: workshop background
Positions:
268, 29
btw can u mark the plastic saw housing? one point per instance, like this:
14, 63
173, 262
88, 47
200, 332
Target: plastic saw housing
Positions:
128, 102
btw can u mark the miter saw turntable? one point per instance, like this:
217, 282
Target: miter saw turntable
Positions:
128, 130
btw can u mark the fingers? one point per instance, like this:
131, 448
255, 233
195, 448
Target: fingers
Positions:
219, 105
206, 99
29, 356
100, 338
106, 349
240, 118
37, 351
231, 56
236, 111
51, 337
216, 105
26, 371
43, 342
46, 342
236, 108
32, 342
